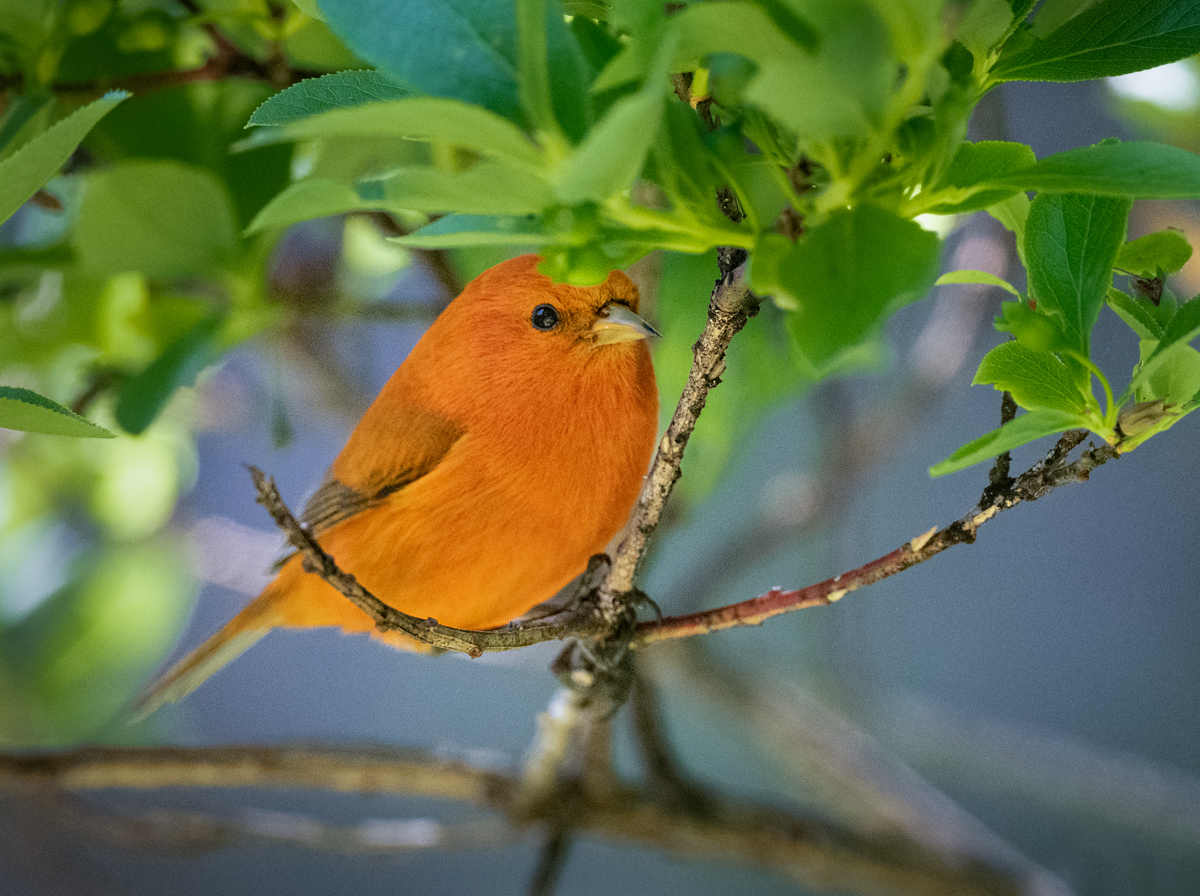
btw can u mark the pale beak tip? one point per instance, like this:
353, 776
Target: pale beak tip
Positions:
620, 324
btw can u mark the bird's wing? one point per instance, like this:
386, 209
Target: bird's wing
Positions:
369, 470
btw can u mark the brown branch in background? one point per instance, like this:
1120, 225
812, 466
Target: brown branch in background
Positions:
552, 859
229, 61
1049, 473
813, 852
573, 620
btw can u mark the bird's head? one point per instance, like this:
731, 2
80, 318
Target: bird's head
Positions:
551, 317
515, 337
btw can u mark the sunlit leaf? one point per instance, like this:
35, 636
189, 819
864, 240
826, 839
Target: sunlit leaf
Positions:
1028, 427
27, 169
25, 410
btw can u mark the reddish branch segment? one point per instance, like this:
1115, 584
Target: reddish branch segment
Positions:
1049, 473
777, 601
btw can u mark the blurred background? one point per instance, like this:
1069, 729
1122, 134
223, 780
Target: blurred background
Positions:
1044, 679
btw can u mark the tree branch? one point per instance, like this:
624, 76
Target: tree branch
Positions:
730, 306
1036, 482
813, 852
229, 61
577, 618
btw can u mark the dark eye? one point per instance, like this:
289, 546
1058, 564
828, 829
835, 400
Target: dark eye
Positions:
545, 317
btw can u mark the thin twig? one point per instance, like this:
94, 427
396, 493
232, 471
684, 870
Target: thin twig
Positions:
572, 621
1049, 473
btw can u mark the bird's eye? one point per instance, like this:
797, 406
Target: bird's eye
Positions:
545, 317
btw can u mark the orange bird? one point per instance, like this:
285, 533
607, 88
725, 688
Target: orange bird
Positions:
506, 449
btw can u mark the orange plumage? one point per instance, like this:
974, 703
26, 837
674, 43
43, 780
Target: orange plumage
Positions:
506, 449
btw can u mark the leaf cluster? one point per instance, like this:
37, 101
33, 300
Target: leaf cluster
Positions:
830, 125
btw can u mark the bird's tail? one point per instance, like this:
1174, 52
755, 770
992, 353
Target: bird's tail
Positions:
241, 633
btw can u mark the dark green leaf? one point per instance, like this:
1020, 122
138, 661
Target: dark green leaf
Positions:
25, 171
1028, 427
1155, 254
27, 411
838, 284
142, 398
312, 96
160, 217
464, 49
1114, 37
1036, 379
1071, 242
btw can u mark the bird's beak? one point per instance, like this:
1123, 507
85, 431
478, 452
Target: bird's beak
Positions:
618, 324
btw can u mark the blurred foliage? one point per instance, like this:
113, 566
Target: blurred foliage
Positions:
144, 227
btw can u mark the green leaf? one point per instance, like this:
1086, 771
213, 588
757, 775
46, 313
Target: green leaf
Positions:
1036, 379
1173, 379
142, 398
1033, 329
310, 198
533, 73
464, 231
1155, 254
1071, 243
464, 49
611, 156
416, 118
964, 186
487, 188
1180, 330
312, 96
1134, 313
981, 277
1114, 37
160, 217
27, 411
1012, 213
21, 111
838, 284
1028, 427
1139, 170
746, 28
984, 25
828, 75
24, 172
310, 7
